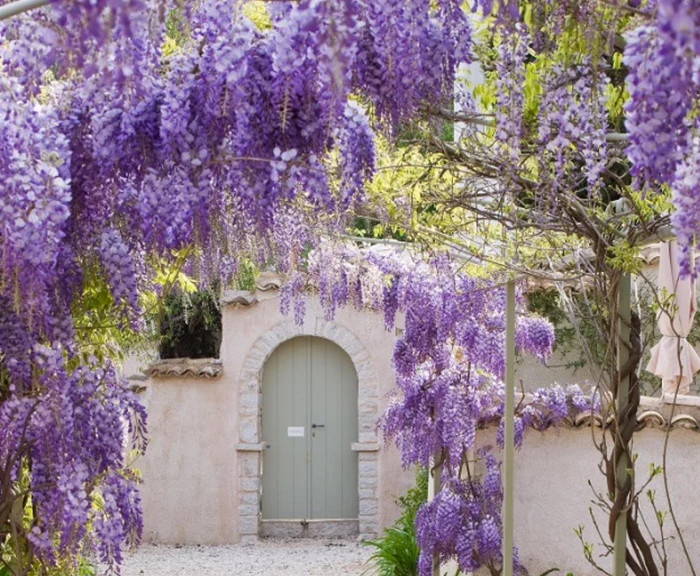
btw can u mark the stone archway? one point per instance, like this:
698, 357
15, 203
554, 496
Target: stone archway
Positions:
250, 405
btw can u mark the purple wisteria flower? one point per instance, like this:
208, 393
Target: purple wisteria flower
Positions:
663, 83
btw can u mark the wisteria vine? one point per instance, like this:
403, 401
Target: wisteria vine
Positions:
116, 153
664, 86
449, 365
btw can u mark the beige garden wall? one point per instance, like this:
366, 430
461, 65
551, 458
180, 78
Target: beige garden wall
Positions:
191, 490
553, 497
192, 493
188, 491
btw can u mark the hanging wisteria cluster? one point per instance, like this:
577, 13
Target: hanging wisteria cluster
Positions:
573, 117
66, 426
449, 365
115, 153
509, 91
663, 57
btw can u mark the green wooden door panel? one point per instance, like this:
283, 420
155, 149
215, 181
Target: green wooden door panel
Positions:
309, 381
334, 491
285, 397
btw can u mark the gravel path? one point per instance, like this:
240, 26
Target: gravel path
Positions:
268, 558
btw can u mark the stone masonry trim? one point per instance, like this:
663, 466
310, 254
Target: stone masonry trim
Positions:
250, 408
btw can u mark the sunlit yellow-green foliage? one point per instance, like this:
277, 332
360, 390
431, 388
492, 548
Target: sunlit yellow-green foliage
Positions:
616, 96
256, 12
571, 46
404, 200
101, 329
176, 32
403, 177
169, 46
409, 199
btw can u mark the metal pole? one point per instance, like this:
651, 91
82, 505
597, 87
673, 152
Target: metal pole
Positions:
14, 8
509, 432
434, 475
621, 474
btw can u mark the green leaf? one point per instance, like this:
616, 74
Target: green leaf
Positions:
617, 60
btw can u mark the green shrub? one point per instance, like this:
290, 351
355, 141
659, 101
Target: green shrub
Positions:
190, 325
396, 551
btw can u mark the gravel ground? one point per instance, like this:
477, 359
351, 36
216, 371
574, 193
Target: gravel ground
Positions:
268, 558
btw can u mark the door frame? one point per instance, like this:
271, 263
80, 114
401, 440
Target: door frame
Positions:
251, 444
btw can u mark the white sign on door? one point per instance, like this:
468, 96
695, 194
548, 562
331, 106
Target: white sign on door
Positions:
295, 431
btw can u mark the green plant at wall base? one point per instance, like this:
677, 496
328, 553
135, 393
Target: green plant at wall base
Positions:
396, 551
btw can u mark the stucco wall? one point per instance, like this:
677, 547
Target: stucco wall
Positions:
191, 493
552, 496
188, 489
531, 374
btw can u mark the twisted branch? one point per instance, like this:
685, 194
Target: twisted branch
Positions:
639, 555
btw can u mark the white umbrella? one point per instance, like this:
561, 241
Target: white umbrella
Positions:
673, 359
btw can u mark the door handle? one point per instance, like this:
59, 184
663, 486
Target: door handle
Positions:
314, 426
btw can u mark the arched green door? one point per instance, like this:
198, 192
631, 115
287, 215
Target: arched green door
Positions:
309, 420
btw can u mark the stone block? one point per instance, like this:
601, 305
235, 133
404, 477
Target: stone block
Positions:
250, 384
368, 527
248, 510
281, 529
368, 482
288, 330
250, 484
250, 498
368, 469
353, 347
368, 507
249, 403
257, 354
248, 462
367, 427
367, 436
368, 492
332, 529
248, 524
368, 407
249, 430
323, 328
251, 366
269, 341
368, 386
